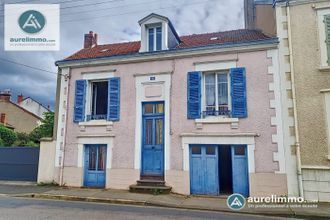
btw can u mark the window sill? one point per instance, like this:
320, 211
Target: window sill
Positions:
96, 123
325, 69
217, 120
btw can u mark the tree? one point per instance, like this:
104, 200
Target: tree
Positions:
7, 136
45, 129
23, 139
1, 143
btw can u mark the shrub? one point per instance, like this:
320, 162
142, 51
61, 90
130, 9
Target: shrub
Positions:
22, 139
1, 143
8, 136
45, 129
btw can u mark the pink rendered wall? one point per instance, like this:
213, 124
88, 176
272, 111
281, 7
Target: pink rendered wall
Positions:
258, 121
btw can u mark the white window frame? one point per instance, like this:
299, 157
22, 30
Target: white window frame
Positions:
94, 77
89, 101
204, 73
322, 37
154, 27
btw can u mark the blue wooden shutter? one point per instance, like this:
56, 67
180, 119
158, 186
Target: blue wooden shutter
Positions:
238, 92
114, 99
327, 35
79, 105
194, 95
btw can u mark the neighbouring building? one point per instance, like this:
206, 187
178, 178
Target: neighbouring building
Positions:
260, 15
16, 117
303, 29
198, 113
254, 17
32, 105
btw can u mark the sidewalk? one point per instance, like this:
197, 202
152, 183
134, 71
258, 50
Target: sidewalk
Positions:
171, 200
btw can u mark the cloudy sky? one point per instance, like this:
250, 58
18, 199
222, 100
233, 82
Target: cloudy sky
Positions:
114, 21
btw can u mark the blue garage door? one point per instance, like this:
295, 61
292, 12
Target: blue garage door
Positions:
204, 177
240, 170
204, 169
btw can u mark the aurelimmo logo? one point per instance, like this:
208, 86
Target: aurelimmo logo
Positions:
236, 201
32, 21
32, 27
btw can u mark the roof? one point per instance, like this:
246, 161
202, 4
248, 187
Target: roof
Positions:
264, 2
153, 15
162, 18
39, 103
189, 41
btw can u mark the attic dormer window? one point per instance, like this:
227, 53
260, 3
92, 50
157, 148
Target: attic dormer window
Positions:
154, 38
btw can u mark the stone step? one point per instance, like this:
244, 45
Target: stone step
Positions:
150, 189
146, 182
152, 177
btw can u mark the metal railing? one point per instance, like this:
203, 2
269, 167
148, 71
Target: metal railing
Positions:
96, 117
222, 111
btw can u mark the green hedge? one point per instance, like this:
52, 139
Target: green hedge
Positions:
7, 136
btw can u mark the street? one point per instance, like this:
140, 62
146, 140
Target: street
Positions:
23, 208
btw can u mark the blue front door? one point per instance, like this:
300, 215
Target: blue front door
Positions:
153, 139
95, 165
204, 177
240, 170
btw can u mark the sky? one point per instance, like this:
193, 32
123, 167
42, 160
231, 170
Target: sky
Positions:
114, 21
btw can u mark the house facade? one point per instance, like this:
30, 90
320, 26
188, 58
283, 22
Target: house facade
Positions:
303, 29
32, 105
16, 117
200, 113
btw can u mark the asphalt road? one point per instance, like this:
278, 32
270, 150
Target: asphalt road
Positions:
23, 208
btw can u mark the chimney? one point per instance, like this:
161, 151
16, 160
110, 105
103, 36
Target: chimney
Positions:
5, 95
20, 99
249, 14
3, 118
260, 15
90, 40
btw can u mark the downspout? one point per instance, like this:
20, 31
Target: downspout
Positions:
293, 88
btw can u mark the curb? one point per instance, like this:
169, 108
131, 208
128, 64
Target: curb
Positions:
156, 204
17, 183
83, 199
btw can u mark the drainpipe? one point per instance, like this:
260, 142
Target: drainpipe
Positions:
299, 173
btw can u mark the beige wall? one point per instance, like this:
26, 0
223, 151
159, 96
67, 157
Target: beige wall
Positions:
309, 82
265, 19
265, 184
46, 161
121, 178
17, 117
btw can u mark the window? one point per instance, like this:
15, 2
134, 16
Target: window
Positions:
327, 36
196, 150
210, 150
239, 150
102, 152
155, 38
216, 89
95, 100
99, 104
323, 22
